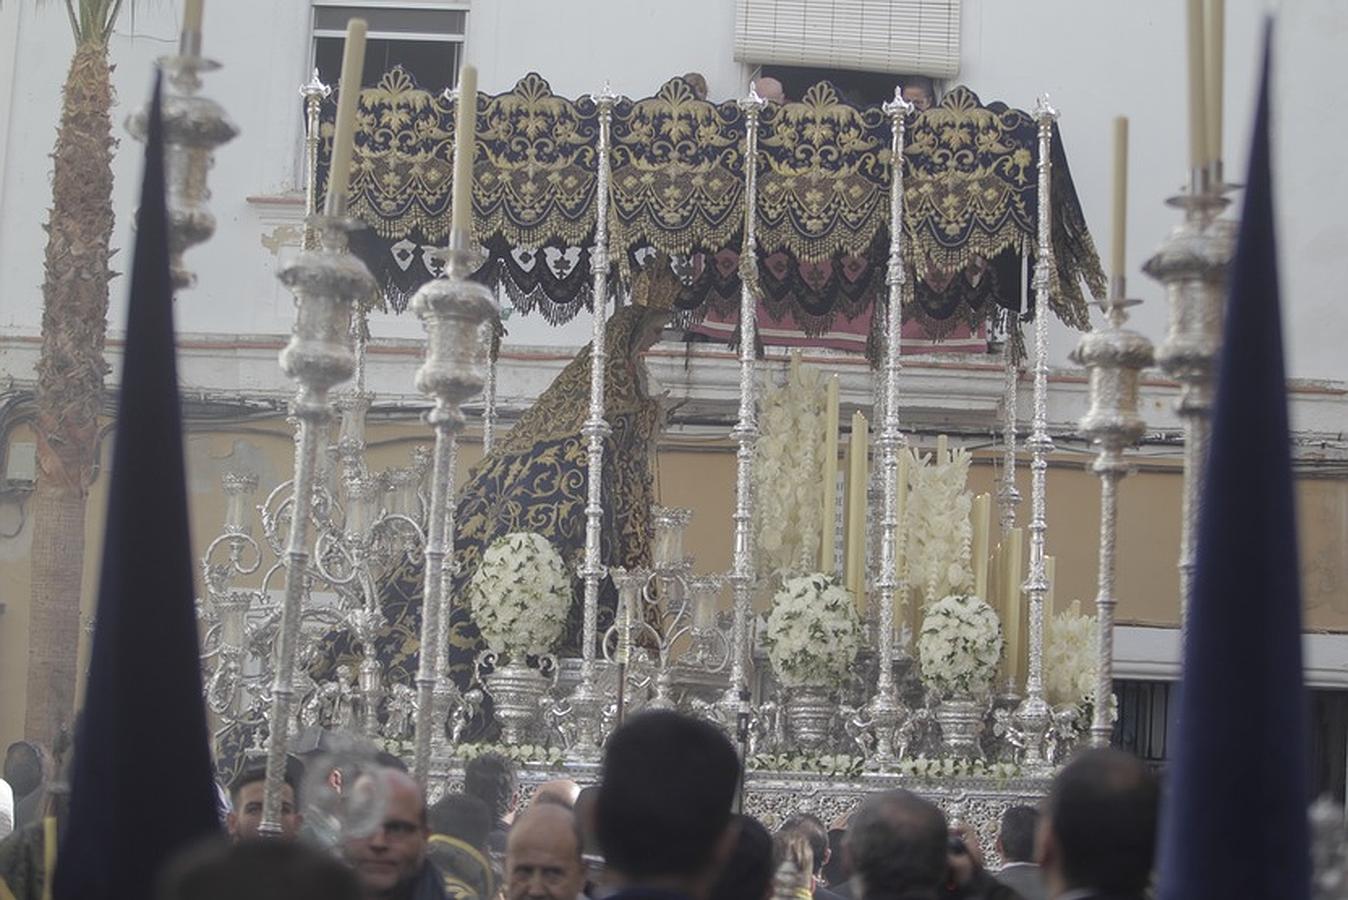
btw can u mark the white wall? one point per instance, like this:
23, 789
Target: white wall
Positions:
1099, 60
1095, 59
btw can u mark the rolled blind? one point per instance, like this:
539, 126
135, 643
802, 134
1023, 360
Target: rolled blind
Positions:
920, 37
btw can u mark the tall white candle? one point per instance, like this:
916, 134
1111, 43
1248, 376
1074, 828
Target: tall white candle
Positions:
828, 563
1120, 197
982, 525
857, 453
1215, 56
1198, 154
192, 15
465, 144
344, 136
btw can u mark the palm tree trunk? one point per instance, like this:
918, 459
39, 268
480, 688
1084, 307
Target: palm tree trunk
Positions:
69, 383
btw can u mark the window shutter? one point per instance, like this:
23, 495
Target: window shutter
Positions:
919, 37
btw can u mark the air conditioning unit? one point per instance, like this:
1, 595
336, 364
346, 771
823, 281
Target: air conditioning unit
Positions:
21, 466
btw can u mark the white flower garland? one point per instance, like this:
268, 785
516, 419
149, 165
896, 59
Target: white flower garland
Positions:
960, 645
520, 595
843, 765
788, 503
1070, 658
526, 754
937, 526
813, 633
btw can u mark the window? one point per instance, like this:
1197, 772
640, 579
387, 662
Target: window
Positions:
1146, 713
425, 38
857, 88
1329, 742
918, 36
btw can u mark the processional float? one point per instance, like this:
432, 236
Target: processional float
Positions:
254, 643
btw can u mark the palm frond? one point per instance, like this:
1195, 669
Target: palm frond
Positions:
90, 20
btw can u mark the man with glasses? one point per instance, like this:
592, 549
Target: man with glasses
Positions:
390, 862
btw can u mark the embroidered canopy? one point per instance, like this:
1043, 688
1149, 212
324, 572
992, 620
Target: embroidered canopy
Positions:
677, 186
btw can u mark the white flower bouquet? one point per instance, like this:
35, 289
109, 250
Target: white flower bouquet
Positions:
520, 595
937, 526
813, 633
787, 490
960, 645
1070, 658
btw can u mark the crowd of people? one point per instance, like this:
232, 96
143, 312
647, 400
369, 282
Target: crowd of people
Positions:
659, 825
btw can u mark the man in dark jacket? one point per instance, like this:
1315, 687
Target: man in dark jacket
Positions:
663, 812
1015, 843
1098, 835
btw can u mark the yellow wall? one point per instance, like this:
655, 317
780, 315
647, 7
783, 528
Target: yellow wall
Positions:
700, 474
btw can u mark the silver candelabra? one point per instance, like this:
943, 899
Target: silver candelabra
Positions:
193, 127
1115, 357
1192, 264
327, 282
585, 705
459, 316
745, 432
885, 712
1033, 714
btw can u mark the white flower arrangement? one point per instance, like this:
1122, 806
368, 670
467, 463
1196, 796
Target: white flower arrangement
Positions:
843, 765
787, 488
813, 633
525, 754
960, 645
937, 526
520, 595
1070, 658
400, 748
947, 767
838, 765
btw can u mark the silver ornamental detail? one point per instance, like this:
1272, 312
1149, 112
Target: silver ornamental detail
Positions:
459, 317
193, 127
1192, 264
584, 707
811, 714
327, 283
885, 712
961, 722
745, 432
1115, 357
1033, 715
517, 692
314, 93
1008, 495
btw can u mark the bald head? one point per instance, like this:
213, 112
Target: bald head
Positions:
402, 786
562, 791
543, 855
770, 89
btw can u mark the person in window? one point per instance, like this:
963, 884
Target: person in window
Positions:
770, 88
919, 91
698, 82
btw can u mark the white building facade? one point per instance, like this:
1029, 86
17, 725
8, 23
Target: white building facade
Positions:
1095, 60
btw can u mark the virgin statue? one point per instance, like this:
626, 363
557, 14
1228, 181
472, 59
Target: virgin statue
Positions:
536, 479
